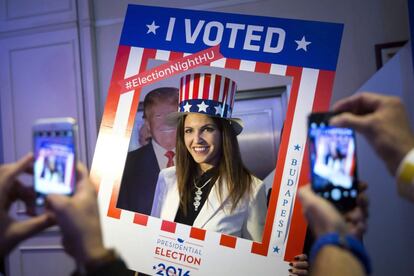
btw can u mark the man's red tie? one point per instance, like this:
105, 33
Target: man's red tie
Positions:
170, 155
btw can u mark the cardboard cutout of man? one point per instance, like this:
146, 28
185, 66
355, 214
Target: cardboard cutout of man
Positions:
144, 164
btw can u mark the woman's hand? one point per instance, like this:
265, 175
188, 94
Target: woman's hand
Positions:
299, 266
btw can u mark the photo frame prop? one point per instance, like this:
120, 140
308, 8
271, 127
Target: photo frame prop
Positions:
305, 51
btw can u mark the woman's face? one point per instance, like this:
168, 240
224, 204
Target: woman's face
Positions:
202, 138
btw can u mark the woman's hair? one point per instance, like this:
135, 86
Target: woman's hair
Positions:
231, 170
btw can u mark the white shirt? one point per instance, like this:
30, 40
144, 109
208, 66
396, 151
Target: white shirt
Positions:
160, 154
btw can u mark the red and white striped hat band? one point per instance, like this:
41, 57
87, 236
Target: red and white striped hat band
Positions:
209, 94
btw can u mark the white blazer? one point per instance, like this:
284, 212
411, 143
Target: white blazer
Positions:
246, 221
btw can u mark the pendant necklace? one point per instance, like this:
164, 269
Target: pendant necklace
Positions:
198, 194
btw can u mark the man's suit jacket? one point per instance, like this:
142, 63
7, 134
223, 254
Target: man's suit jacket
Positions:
246, 221
139, 180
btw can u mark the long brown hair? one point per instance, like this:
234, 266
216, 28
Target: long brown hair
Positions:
231, 170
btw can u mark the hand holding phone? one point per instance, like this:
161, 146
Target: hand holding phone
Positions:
332, 153
54, 150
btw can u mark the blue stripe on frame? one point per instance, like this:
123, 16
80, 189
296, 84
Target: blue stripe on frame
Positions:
292, 42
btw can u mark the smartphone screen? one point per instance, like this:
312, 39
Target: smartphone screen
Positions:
54, 165
333, 161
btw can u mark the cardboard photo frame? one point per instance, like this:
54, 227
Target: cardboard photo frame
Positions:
308, 54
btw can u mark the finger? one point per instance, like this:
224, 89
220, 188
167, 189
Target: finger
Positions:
301, 257
81, 170
29, 170
357, 224
28, 196
307, 197
360, 103
362, 186
10, 195
353, 214
299, 272
305, 194
362, 199
301, 265
363, 202
346, 104
321, 214
9, 173
361, 123
21, 165
309, 208
20, 230
21, 192
83, 181
51, 215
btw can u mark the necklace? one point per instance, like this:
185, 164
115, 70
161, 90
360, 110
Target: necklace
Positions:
198, 194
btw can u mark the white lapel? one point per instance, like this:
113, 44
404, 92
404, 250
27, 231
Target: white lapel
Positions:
212, 205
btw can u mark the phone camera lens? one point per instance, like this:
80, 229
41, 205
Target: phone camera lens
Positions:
354, 193
40, 201
336, 194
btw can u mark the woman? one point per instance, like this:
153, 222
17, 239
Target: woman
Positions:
210, 187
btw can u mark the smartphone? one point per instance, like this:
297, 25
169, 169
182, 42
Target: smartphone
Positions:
54, 148
333, 162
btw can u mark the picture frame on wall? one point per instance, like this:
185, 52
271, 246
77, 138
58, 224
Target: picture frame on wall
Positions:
385, 51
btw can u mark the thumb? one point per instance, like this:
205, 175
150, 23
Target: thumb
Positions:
83, 181
82, 171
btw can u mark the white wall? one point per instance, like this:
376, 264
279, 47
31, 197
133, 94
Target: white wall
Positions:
390, 237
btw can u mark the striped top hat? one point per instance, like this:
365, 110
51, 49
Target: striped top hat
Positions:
209, 94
